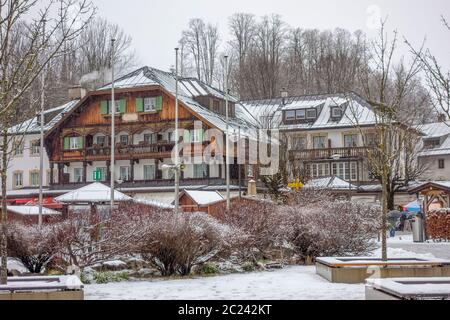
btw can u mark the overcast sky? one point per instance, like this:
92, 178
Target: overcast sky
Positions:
155, 26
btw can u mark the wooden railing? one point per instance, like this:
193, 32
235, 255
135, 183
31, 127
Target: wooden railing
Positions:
330, 153
155, 148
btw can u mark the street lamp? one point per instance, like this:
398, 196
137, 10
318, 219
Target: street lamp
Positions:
113, 125
227, 145
176, 165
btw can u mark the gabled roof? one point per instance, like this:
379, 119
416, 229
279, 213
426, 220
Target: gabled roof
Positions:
93, 193
51, 117
356, 110
442, 185
333, 183
203, 198
438, 130
189, 88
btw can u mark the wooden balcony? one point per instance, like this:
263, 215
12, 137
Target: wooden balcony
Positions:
125, 152
330, 153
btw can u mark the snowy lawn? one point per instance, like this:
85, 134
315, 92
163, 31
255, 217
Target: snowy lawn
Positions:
291, 283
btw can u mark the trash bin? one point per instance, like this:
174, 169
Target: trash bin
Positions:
417, 228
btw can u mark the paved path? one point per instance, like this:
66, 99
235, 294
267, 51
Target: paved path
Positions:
439, 250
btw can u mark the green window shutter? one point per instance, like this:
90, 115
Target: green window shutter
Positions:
202, 135
139, 105
159, 103
186, 136
66, 143
104, 107
122, 105
80, 142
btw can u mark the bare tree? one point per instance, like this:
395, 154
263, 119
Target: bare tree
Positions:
391, 155
437, 79
28, 43
202, 43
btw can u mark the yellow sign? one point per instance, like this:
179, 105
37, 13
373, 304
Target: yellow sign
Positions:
296, 185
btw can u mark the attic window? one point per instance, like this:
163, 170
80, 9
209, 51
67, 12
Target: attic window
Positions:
336, 112
311, 114
290, 115
300, 114
432, 143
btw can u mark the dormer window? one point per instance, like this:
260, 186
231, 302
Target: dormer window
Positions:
290, 115
432, 143
311, 114
336, 112
300, 115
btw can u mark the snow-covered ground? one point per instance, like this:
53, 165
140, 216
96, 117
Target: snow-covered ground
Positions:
291, 283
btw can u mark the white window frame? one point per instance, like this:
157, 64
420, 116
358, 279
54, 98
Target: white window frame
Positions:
354, 140
338, 110
149, 104
34, 175
18, 179
117, 103
153, 138
200, 171
18, 149
35, 149
124, 173
78, 175
302, 115
124, 135
152, 169
73, 143
196, 135
324, 142
290, 118
308, 116
103, 144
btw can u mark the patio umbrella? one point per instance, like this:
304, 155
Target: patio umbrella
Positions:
413, 206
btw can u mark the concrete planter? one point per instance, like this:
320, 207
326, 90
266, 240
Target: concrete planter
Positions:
42, 288
358, 269
408, 289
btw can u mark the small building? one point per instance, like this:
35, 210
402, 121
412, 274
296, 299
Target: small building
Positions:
200, 201
30, 214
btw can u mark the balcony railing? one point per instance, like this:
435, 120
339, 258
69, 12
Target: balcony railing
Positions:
330, 153
141, 149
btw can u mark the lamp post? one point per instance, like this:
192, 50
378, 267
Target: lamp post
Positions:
41, 143
177, 167
113, 125
227, 146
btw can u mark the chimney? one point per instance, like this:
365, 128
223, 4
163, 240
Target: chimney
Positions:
442, 117
284, 95
76, 92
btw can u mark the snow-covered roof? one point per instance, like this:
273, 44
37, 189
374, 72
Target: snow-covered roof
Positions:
427, 184
334, 183
95, 192
356, 111
438, 130
51, 117
154, 203
188, 90
204, 198
31, 210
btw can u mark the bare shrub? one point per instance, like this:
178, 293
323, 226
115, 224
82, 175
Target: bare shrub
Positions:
178, 241
257, 226
332, 228
88, 238
35, 247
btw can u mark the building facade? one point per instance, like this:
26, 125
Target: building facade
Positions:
79, 144
325, 135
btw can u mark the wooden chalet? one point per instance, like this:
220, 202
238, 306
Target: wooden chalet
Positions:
79, 145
